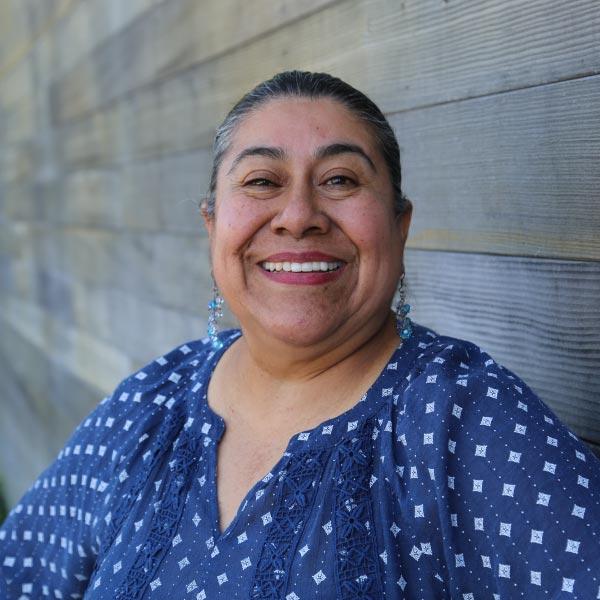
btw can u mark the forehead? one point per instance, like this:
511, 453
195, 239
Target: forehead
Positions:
300, 125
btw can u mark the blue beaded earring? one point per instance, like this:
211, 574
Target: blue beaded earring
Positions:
215, 312
403, 322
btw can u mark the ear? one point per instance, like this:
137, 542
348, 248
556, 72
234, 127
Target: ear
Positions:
208, 217
403, 221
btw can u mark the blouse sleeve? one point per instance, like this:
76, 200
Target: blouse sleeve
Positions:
50, 539
50, 535
523, 493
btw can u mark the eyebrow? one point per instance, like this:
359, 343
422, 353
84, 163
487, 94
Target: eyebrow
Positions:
344, 148
268, 151
277, 153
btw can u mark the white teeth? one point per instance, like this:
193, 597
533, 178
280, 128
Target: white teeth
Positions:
303, 267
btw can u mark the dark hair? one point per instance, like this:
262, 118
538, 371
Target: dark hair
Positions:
304, 84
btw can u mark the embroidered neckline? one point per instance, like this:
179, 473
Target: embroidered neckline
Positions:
295, 497
358, 572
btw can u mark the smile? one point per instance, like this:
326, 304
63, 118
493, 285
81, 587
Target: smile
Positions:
301, 267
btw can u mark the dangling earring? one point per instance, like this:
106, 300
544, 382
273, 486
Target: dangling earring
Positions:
403, 323
215, 312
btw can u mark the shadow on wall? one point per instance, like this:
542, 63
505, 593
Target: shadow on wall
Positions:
3, 504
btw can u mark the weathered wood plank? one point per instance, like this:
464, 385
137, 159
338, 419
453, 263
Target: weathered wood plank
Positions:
14, 27
168, 39
508, 173
171, 269
152, 195
27, 447
96, 363
90, 24
71, 28
17, 95
26, 22
514, 173
17, 250
405, 54
539, 318
180, 113
133, 324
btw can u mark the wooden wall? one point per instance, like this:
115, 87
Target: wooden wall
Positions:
107, 109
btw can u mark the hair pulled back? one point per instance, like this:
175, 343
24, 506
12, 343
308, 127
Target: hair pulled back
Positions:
304, 84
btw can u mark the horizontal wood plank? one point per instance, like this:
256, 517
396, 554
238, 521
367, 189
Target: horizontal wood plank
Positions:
27, 435
539, 318
69, 29
97, 364
515, 173
171, 269
169, 39
509, 173
405, 54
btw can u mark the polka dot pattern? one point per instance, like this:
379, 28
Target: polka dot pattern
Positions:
449, 478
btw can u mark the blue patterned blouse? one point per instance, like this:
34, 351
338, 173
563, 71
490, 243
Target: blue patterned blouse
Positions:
448, 479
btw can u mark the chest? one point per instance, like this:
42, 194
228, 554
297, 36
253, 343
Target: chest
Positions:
243, 459
317, 523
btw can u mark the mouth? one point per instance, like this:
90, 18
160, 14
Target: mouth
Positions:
301, 267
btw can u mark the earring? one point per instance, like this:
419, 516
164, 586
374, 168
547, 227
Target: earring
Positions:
403, 322
215, 312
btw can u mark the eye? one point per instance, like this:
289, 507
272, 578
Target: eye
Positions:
259, 182
340, 181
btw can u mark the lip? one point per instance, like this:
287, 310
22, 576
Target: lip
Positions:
313, 278
300, 278
302, 257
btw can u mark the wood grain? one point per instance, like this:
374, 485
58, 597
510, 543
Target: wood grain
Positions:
96, 363
514, 173
405, 54
170, 269
71, 28
539, 318
29, 439
169, 39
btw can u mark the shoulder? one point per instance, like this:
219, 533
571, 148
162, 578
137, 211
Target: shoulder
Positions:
108, 446
453, 370
514, 480
110, 454
157, 386
469, 397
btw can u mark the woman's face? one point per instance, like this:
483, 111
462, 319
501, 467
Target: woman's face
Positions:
305, 243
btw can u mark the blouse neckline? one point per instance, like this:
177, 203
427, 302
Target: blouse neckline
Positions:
384, 390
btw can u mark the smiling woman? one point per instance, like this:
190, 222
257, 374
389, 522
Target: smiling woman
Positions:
304, 181
329, 448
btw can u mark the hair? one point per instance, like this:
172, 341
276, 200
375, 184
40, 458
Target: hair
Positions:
304, 84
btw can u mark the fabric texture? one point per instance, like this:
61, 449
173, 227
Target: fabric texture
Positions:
448, 479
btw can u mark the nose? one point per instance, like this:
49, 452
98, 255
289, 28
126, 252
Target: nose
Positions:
300, 214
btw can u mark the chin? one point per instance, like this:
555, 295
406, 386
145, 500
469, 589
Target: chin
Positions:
301, 332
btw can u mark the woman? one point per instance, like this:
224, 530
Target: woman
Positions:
358, 456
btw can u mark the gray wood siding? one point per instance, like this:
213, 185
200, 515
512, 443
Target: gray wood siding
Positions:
107, 110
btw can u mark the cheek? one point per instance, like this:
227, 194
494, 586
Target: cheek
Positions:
236, 223
370, 229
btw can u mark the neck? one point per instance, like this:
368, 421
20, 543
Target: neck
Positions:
280, 361
271, 383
